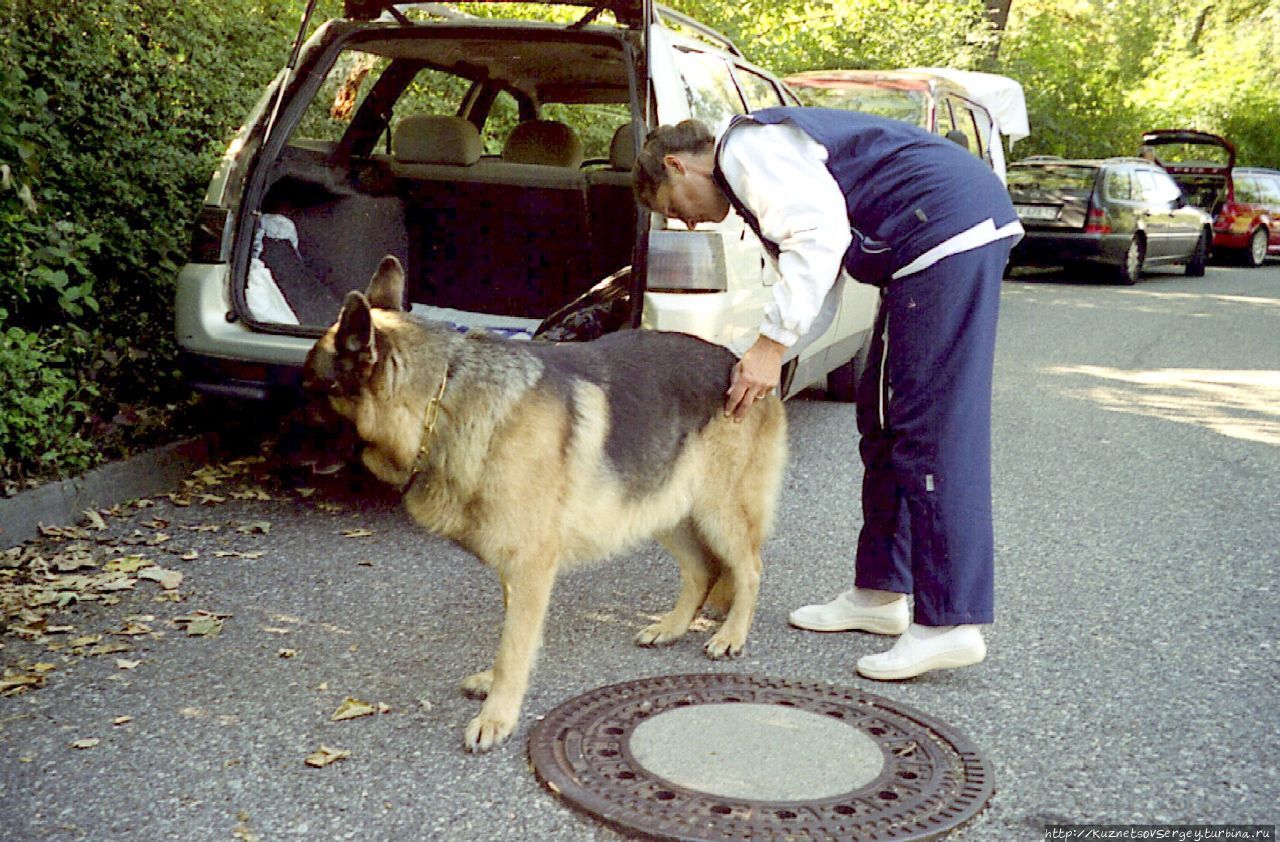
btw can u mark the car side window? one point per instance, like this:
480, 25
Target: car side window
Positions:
966, 123
708, 82
759, 91
1144, 185
1119, 185
1271, 190
1166, 190
1246, 189
942, 111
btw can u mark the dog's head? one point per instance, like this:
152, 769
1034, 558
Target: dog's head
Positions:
341, 374
342, 363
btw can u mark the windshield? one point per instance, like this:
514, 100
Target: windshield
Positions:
908, 106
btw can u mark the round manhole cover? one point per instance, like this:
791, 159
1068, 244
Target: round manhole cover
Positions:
719, 757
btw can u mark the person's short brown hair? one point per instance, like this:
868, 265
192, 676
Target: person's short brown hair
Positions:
648, 173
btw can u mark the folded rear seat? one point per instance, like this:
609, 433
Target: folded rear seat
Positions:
509, 236
613, 206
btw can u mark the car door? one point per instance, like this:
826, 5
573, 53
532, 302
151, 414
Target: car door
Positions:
1185, 222
1156, 212
1270, 187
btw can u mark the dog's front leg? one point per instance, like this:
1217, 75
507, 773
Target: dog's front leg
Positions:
526, 587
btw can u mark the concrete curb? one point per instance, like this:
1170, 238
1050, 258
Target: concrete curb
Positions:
62, 503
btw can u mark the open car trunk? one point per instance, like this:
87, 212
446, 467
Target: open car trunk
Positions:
403, 142
1200, 162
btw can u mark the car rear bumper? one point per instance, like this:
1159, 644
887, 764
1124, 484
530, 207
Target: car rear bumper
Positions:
1231, 239
221, 355
1055, 248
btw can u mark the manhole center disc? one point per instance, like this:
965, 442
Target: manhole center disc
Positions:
722, 749
721, 757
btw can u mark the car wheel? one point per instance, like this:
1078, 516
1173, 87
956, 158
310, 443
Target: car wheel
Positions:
1128, 272
1195, 265
1256, 253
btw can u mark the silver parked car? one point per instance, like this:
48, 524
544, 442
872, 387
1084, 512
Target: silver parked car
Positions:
492, 156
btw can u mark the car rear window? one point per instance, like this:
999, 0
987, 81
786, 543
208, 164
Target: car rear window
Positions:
1063, 179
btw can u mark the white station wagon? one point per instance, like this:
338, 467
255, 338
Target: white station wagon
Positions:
492, 156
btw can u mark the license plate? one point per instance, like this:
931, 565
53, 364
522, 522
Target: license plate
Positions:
1043, 212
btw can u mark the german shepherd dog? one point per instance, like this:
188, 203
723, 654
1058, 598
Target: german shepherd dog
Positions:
535, 456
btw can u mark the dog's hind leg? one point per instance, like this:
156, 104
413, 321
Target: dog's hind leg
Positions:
526, 583
695, 580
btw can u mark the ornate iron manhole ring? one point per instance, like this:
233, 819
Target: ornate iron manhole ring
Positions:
721, 757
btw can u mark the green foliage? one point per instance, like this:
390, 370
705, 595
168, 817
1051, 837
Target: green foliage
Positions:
1097, 73
790, 35
111, 118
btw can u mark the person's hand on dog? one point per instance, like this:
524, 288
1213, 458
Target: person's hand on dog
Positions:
754, 376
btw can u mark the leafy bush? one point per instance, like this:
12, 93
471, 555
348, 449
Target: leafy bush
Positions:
111, 118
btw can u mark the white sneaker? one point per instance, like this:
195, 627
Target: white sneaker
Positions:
849, 612
917, 652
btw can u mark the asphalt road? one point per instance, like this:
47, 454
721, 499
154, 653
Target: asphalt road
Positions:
1132, 672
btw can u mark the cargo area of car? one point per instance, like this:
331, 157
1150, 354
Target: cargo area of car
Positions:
1206, 191
499, 237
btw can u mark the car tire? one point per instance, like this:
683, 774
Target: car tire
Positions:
1199, 257
1255, 254
1128, 272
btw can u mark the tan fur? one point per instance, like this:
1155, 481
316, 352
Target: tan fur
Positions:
527, 488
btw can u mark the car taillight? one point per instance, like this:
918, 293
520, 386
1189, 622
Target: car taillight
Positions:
209, 239
1226, 215
686, 261
1095, 221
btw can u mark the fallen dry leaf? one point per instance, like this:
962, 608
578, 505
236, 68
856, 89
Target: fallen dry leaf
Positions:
356, 533
95, 519
324, 755
287, 653
352, 708
121, 720
202, 623
168, 579
89, 743
126, 665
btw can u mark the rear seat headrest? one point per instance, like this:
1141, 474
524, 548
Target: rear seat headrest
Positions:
545, 142
622, 149
434, 139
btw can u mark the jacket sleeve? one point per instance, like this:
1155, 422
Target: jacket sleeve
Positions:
779, 173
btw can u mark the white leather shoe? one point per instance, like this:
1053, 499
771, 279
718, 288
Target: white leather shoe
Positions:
842, 614
914, 655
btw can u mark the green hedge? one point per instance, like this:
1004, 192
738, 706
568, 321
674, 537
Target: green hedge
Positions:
112, 115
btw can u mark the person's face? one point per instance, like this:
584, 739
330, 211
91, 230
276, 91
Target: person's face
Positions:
689, 194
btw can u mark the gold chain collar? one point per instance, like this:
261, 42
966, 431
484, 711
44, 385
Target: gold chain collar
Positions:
428, 428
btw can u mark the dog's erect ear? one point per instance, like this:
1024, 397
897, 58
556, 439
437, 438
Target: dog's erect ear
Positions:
354, 339
386, 288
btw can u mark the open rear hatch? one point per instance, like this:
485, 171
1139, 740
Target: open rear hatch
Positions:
485, 241
1200, 162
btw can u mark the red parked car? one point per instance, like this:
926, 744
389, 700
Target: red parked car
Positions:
1244, 202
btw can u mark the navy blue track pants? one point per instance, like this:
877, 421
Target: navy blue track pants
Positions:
924, 412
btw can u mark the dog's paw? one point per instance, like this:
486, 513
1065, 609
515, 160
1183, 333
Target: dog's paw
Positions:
657, 635
723, 646
486, 732
477, 686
